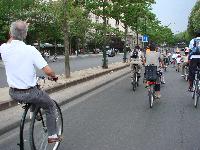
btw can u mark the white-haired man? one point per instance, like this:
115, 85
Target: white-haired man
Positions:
20, 61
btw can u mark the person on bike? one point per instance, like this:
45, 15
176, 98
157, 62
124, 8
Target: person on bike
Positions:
136, 58
20, 61
174, 57
194, 58
185, 60
178, 62
153, 58
162, 66
169, 56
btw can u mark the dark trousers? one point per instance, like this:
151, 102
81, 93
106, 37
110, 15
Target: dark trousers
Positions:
39, 98
194, 63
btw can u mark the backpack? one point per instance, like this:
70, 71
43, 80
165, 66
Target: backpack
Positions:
134, 54
196, 48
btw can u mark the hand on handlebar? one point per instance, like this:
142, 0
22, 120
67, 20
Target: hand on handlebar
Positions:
53, 78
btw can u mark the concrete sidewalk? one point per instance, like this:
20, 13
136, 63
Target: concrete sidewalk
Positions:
76, 78
10, 118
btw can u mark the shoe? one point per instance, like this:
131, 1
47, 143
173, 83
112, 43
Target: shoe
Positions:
163, 82
182, 75
53, 140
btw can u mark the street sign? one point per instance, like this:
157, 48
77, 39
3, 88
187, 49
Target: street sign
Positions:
145, 38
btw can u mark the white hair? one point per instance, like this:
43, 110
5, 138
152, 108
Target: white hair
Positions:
18, 30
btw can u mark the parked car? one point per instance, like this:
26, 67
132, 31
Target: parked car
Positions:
110, 52
96, 51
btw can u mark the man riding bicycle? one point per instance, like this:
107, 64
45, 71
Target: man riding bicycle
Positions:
194, 58
20, 61
136, 58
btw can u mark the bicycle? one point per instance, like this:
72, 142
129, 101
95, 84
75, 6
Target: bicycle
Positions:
135, 79
38, 136
152, 78
196, 87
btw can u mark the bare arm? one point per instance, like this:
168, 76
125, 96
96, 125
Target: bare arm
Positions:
48, 71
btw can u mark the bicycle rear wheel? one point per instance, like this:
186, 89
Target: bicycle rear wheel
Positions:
134, 82
151, 97
38, 130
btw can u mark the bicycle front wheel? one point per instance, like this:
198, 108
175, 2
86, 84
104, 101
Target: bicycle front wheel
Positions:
38, 130
196, 96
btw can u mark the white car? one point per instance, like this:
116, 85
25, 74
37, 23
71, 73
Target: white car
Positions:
110, 52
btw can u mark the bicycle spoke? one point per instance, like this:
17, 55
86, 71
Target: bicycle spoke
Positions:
39, 132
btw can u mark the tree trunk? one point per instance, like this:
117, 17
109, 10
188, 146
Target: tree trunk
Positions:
38, 40
125, 41
66, 40
105, 61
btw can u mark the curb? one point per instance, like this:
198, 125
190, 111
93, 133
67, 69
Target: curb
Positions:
12, 103
16, 124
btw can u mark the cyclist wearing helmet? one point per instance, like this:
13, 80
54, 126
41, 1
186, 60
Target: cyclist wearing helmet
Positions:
185, 60
194, 58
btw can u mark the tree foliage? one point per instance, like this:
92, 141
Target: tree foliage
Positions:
194, 19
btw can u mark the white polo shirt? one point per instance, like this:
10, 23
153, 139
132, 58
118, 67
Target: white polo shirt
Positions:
20, 61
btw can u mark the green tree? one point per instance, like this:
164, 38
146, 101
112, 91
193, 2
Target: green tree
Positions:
194, 20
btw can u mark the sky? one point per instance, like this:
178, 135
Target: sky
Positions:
174, 13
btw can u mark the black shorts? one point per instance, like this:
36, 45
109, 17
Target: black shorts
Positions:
194, 63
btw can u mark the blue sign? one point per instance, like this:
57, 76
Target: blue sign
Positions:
145, 38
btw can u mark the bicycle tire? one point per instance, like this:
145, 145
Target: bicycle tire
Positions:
178, 69
134, 81
186, 77
137, 83
196, 96
151, 97
22, 124
134, 85
194, 87
38, 141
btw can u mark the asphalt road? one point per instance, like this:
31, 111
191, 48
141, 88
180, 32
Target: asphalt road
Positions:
115, 118
76, 64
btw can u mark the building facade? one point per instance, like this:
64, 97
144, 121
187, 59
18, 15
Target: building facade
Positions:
131, 36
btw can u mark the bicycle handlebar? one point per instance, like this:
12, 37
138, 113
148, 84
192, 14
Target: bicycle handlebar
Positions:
53, 78
49, 78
